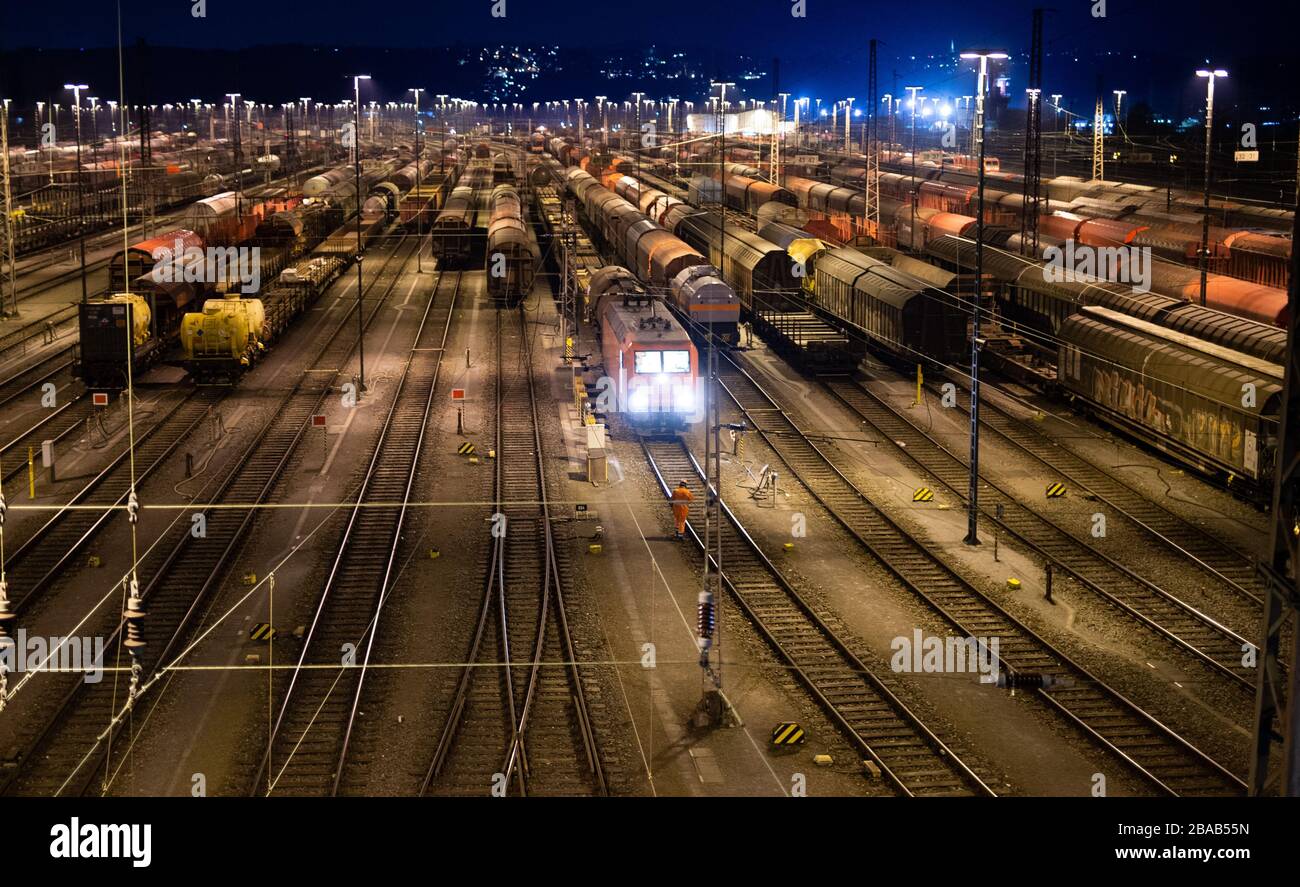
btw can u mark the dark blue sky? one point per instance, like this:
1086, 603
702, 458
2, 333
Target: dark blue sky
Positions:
822, 53
837, 27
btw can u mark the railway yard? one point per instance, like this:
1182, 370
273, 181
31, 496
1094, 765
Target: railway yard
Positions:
491, 455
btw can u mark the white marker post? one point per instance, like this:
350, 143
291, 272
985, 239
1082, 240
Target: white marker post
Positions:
458, 398
318, 421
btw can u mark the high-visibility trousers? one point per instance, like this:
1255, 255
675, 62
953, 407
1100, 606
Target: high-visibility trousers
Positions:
679, 515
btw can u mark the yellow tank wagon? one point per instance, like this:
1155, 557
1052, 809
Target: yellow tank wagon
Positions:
223, 341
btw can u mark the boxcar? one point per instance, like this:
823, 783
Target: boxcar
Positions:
899, 314
1182, 395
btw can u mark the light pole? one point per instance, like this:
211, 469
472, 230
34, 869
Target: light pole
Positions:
972, 528
848, 124
1210, 77
911, 103
888, 99
637, 144
419, 244
356, 165
239, 154
711, 592
1056, 106
442, 128
94, 131
81, 218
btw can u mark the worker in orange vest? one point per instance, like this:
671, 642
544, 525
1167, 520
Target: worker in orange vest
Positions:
681, 507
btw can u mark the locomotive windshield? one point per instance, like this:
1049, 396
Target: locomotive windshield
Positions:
656, 362
677, 361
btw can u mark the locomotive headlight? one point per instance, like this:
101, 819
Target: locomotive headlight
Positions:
638, 399
684, 399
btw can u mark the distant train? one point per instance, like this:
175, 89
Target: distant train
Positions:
461, 216
649, 355
512, 254
175, 298
1245, 241
1229, 294
658, 258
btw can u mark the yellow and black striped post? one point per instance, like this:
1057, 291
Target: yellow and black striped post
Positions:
788, 733
262, 631
1055, 490
923, 494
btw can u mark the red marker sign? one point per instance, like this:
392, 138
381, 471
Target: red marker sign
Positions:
99, 398
318, 421
458, 394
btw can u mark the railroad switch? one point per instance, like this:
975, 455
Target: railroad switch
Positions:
1032, 681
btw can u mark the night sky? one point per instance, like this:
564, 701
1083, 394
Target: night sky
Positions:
823, 53
765, 26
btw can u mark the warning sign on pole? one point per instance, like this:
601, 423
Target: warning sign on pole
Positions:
99, 398
318, 421
458, 394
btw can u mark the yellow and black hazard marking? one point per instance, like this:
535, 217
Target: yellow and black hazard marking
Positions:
788, 733
923, 494
262, 631
466, 449
1055, 491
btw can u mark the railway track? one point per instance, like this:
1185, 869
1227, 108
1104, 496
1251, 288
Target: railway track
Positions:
45, 555
181, 575
529, 731
57, 425
16, 339
1178, 622
36, 373
309, 744
1233, 568
878, 723
1158, 754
